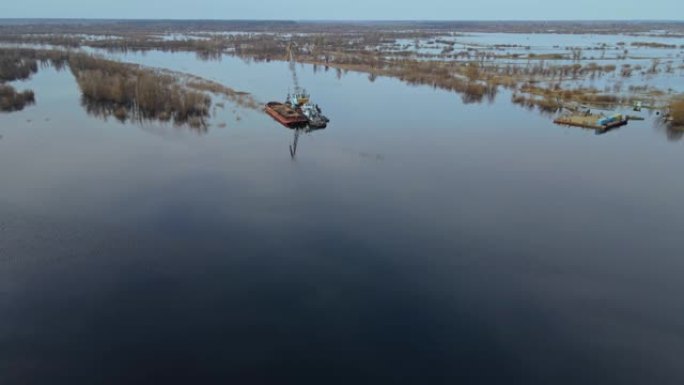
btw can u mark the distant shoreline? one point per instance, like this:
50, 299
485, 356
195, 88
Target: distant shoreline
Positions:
305, 26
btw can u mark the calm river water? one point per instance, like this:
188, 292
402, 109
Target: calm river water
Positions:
416, 240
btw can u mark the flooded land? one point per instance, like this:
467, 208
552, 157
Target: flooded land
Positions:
488, 203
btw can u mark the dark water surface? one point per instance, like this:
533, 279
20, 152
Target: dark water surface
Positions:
416, 240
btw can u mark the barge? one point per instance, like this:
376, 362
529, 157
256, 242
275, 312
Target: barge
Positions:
597, 122
297, 111
286, 115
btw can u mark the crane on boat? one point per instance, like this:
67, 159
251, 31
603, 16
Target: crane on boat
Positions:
300, 100
299, 96
297, 112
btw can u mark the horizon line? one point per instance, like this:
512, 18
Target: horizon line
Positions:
341, 20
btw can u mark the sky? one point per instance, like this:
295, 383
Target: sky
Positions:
347, 10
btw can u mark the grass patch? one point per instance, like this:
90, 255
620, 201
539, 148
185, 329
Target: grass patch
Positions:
11, 100
653, 45
13, 68
676, 109
120, 90
130, 91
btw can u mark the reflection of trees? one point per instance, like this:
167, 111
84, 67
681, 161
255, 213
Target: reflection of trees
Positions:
674, 135
475, 92
209, 55
11, 100
672, 132
127, 113
13, 66
126, 91
21, 64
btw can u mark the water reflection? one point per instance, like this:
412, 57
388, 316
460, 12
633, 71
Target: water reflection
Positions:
127, 113
409, 264
209, 55
11, 100
297, 133
603, 131
672, 132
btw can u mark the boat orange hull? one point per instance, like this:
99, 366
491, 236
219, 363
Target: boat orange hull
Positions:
285, 114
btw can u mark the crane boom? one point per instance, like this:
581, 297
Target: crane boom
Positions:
293, 68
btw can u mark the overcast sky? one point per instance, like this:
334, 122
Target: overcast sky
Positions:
346, 9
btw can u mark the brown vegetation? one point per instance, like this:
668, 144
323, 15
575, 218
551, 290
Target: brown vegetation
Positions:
122, 90
11, 100
474, 78
14, 67
20, 64
676, 109
103, 27
242, 99
474, 71
653, 45
587, 96
128, 90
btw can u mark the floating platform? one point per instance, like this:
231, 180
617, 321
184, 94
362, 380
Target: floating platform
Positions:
596, 122
285, 114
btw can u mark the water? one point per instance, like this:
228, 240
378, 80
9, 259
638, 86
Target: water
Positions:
417, 239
